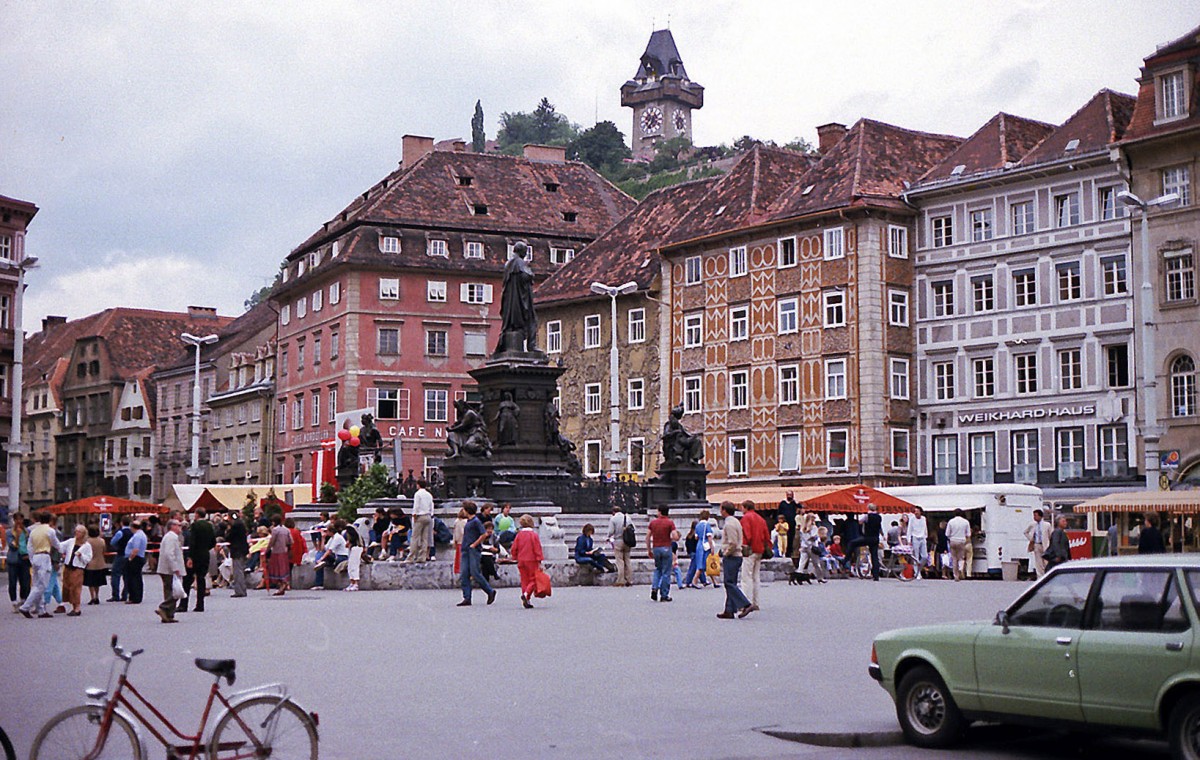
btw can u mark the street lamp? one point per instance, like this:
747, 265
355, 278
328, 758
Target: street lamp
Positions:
194, 471
1150, 429
15, 449
614, 406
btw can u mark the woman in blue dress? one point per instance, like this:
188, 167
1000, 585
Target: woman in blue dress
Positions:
703, 548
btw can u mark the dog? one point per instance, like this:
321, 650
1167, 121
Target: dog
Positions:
797, 577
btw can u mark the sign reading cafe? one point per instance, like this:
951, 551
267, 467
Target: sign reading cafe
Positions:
1054, 412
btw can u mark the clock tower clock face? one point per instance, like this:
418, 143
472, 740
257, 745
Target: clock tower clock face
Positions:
652, 120
680, 119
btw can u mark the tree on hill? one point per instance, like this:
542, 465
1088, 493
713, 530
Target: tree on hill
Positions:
256, 297
601, 147
478, 136
669, 154
545, 126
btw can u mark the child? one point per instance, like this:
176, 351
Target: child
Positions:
675, 559
836, 554
527, 551
781, 535
354, 563
490, 550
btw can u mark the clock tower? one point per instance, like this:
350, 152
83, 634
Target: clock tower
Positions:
661, 96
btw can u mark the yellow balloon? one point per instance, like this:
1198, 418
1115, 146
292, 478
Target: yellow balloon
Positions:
354, 431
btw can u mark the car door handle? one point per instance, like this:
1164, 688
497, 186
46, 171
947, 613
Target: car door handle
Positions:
1174, 646
1063, 640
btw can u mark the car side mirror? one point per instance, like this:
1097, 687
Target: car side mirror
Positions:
1002, 620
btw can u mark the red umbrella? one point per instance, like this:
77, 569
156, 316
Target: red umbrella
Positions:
97, 505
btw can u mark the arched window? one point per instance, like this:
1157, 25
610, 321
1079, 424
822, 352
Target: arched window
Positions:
1183, 386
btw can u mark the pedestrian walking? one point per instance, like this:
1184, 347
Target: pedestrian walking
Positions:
732, 540
170, 568
1150, 540
527, 551
279, 557
42, 540
958, 533
460, 524
118, 543
18, 562
1038, 535
201, 539
354, 559
135, 561
472, 560
917, 533
95, 575
618, 532
658, 546
1059, 547
239, 548
77, 553
756, 537
422, 523
696, 576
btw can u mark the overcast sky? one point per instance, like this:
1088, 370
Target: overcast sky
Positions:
179, 151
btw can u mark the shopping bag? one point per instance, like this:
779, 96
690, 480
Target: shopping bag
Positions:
713, 566
177, 587
541, 584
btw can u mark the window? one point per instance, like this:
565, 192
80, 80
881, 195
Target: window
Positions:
283, 419
637, 455
389, 340
739, 389
789, 315
335, 293
637, 325
1106, 202
1025, 456
898, 308
691, 269
474, 342
472, 249
1114, 450
789, 384
317, 300
943, 231
561, 255
591, 458
981, 225
389, 289
479, 209
5, 312
635, 393
297, 413
315, 417
438, 248
985, 377
1070, 453
254, 448
835, 378
1140, 601
1172, 95
1025, 288
436, 404
1070, 284
1117, 359
391, 244
898, 372
835, 308
1022, 218
335, 344
285, 314
739, 323
835, 243
299, 356
837, 443
789, 452
691, 395
943, 381
983, 458
386, 402
945, 460
900, 458
1057, 603
332, 404
693, 334
1070, 369
943, 299
897, 242
1026, 367
1178, 179
591, 331
738, 264
1181, 276
436, 343
983, 293
1115, 276
1066, 209
6, 247
787, 252
739, 454
435, 291
591, 398
1183, 387
475, 293
229, 451
554, 337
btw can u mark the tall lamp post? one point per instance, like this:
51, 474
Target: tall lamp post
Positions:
1149, 395
194, 472
15, 449
614, 404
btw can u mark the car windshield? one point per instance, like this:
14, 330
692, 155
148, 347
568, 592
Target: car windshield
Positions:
1057, 603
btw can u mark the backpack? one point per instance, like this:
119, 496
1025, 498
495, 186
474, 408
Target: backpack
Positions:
629, 535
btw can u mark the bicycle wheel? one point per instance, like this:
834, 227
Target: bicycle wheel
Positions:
6, 745
74, 733
291, 733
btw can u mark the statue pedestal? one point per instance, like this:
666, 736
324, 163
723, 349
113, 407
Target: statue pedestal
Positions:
678, 486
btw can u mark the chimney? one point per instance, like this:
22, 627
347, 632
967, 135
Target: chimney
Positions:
459, 146
202, 312
415, 148
829, 135
52, 321
555, 154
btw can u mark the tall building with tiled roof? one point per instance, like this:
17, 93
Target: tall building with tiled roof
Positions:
661, 96
389, 303
1024, 312
1159, 157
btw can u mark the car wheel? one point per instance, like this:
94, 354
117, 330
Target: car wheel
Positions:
927, 712
1184, 729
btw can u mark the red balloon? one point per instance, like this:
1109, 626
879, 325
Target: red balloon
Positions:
354, 440
343, 435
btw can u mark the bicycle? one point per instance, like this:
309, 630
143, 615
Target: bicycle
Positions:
257, 723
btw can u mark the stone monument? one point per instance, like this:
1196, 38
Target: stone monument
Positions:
682, 479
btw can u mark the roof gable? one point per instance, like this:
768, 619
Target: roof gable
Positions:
1002, 141
661, 58
1186, 49
1100, 122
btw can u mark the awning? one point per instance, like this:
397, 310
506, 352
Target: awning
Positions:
98, 505
845, 499
220, 497
1174, 502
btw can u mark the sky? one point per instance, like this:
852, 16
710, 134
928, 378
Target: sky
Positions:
179, 151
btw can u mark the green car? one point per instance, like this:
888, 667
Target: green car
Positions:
1106, 643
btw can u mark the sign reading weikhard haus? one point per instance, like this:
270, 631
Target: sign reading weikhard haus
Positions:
1082, 410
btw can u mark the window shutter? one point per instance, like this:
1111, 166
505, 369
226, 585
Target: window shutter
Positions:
462, 292
403, 402
373, 400
487, 293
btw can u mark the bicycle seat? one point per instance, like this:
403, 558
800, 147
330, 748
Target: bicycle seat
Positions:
219, 668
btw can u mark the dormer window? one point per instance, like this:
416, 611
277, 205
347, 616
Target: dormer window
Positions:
479, 209
391, 244
1172, 95
300, 267
464, 181
958, 170
1071, 145
438, 248
551, 187
568, 216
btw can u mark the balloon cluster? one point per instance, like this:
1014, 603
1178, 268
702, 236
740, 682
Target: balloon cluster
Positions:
350, 436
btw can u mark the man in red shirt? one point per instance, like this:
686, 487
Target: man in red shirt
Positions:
757, 537
659, 546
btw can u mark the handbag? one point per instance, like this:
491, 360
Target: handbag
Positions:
177, 587
769, 552
712, 566
541, 584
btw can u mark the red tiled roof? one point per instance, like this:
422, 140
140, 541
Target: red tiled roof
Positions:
628, 252
743, 197
1141, 124
870, 164
1100, 122
1004, 140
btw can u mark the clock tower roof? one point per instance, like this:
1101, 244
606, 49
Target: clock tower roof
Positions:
661, 58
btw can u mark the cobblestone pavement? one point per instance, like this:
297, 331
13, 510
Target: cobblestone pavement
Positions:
590, 672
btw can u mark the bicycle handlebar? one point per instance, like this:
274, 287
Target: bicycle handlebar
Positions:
120, 651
